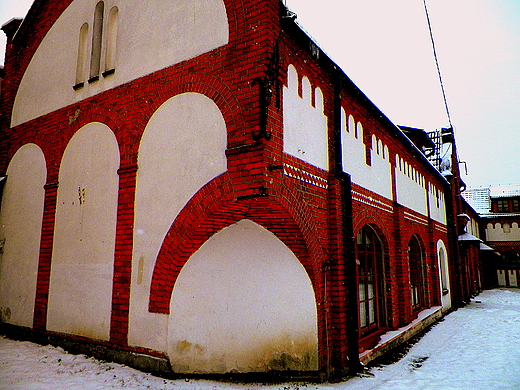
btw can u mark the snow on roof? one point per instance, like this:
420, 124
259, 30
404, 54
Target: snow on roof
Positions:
468, 237
505, 191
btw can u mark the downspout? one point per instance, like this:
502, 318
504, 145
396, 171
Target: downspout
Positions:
354, 364
352, 324
455, 260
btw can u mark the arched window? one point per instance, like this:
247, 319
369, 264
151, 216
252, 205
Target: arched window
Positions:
369, 255
443, 268
110, 59
415, 259
97, 38
82, 52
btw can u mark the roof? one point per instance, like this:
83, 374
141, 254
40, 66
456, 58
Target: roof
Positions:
499, 215
505, 191
418, 136
468, 237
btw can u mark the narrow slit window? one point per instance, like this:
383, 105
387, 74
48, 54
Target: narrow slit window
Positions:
110, 59
97, 37
82, 52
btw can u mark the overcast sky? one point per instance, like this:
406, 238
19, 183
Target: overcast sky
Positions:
385, 48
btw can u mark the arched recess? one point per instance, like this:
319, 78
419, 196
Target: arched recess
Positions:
21, 216
182, 149
80, 292
243, 303
214, 208
444, 276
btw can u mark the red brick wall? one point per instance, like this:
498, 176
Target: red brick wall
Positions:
305, 216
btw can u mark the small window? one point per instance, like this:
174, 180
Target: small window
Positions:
82, 52
444, 274
516, 205
110, 59
502, 206
97, 38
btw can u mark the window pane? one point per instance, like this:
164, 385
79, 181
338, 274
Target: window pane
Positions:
370, 288
371, 312
362, 295
362, 315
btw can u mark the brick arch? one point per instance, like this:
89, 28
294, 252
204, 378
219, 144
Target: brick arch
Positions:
368, 218
215, 207
417, 234
204, 84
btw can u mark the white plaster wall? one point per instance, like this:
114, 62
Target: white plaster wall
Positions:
20, 233
437, 204
80, 293
376, 177
472, 228
496, 232
513, 282
444, 275
152, 35
305, 125
410, 187
182, 149
501, 277
240, 303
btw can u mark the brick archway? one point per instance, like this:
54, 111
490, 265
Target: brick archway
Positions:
215, 207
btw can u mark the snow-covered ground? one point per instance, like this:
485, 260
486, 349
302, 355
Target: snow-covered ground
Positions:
477, 348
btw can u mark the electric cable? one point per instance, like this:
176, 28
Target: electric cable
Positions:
437, 64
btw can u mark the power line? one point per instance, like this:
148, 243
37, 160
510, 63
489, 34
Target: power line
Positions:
437, 64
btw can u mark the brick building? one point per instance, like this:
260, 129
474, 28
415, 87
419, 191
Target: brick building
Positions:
498, 209
198, 188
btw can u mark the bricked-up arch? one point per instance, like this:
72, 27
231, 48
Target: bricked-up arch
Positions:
210, 86
241, 300
216, 207
21, 211
82, 264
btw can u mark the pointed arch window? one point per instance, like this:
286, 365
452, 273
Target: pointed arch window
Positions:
369, 256
415, 259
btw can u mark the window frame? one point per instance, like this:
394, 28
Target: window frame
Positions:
369, 251
416, 274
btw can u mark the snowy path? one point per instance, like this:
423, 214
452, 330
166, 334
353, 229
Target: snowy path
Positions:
477, 348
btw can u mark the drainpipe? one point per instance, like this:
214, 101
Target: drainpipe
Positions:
352, 311
350, 275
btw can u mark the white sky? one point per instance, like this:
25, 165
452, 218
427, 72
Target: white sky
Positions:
384, 47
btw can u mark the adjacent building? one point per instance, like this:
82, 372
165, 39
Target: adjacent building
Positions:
499, 217
196, 187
